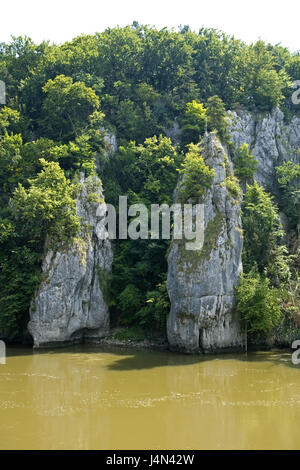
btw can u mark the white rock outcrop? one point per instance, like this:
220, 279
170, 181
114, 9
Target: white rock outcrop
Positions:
271, 140
201, 283
70, 304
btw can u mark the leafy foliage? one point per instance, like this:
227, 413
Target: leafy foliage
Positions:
135, 81
146, 174
257, 303
47, 207
245, 164
194, 122
66, 107
263, 231
217, 117
197, 176
289, 179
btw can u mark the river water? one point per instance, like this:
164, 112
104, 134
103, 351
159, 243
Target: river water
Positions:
86, 398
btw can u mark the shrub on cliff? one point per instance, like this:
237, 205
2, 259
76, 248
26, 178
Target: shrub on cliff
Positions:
47, 206
196, 175
193, 122
263, 234
257, 303
245, 164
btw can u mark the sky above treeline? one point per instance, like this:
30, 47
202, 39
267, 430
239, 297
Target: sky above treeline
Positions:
61, 20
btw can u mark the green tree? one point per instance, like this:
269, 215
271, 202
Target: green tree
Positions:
145, 78
147, 174
48, 207
245, 164
217, 117
262, 234
8, 119
193, 123
10, 163
196, 175
288, 176
262, 82
257, 303
66, 107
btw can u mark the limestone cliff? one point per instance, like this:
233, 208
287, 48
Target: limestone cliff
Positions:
201, 283
271, 139
70, 304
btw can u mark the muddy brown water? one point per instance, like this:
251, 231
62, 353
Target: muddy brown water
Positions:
86, 398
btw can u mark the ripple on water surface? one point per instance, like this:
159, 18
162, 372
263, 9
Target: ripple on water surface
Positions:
85, 398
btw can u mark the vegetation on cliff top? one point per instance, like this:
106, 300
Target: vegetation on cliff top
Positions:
135, 81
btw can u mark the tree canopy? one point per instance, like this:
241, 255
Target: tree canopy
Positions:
157, 91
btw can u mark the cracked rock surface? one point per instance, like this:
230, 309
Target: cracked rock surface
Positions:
271, 140
70, 304
201, 283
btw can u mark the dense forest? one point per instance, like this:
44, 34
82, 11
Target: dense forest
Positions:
140, 83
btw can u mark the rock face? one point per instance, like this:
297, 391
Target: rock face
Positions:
201, 283
271, 140
110, 142
71, 301
174, 133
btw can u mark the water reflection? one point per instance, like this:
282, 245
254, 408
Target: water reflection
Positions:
83, 398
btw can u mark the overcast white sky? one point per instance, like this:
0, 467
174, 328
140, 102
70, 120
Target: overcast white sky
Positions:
60, 20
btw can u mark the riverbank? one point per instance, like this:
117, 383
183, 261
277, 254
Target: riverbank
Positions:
130, 338
134, 338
